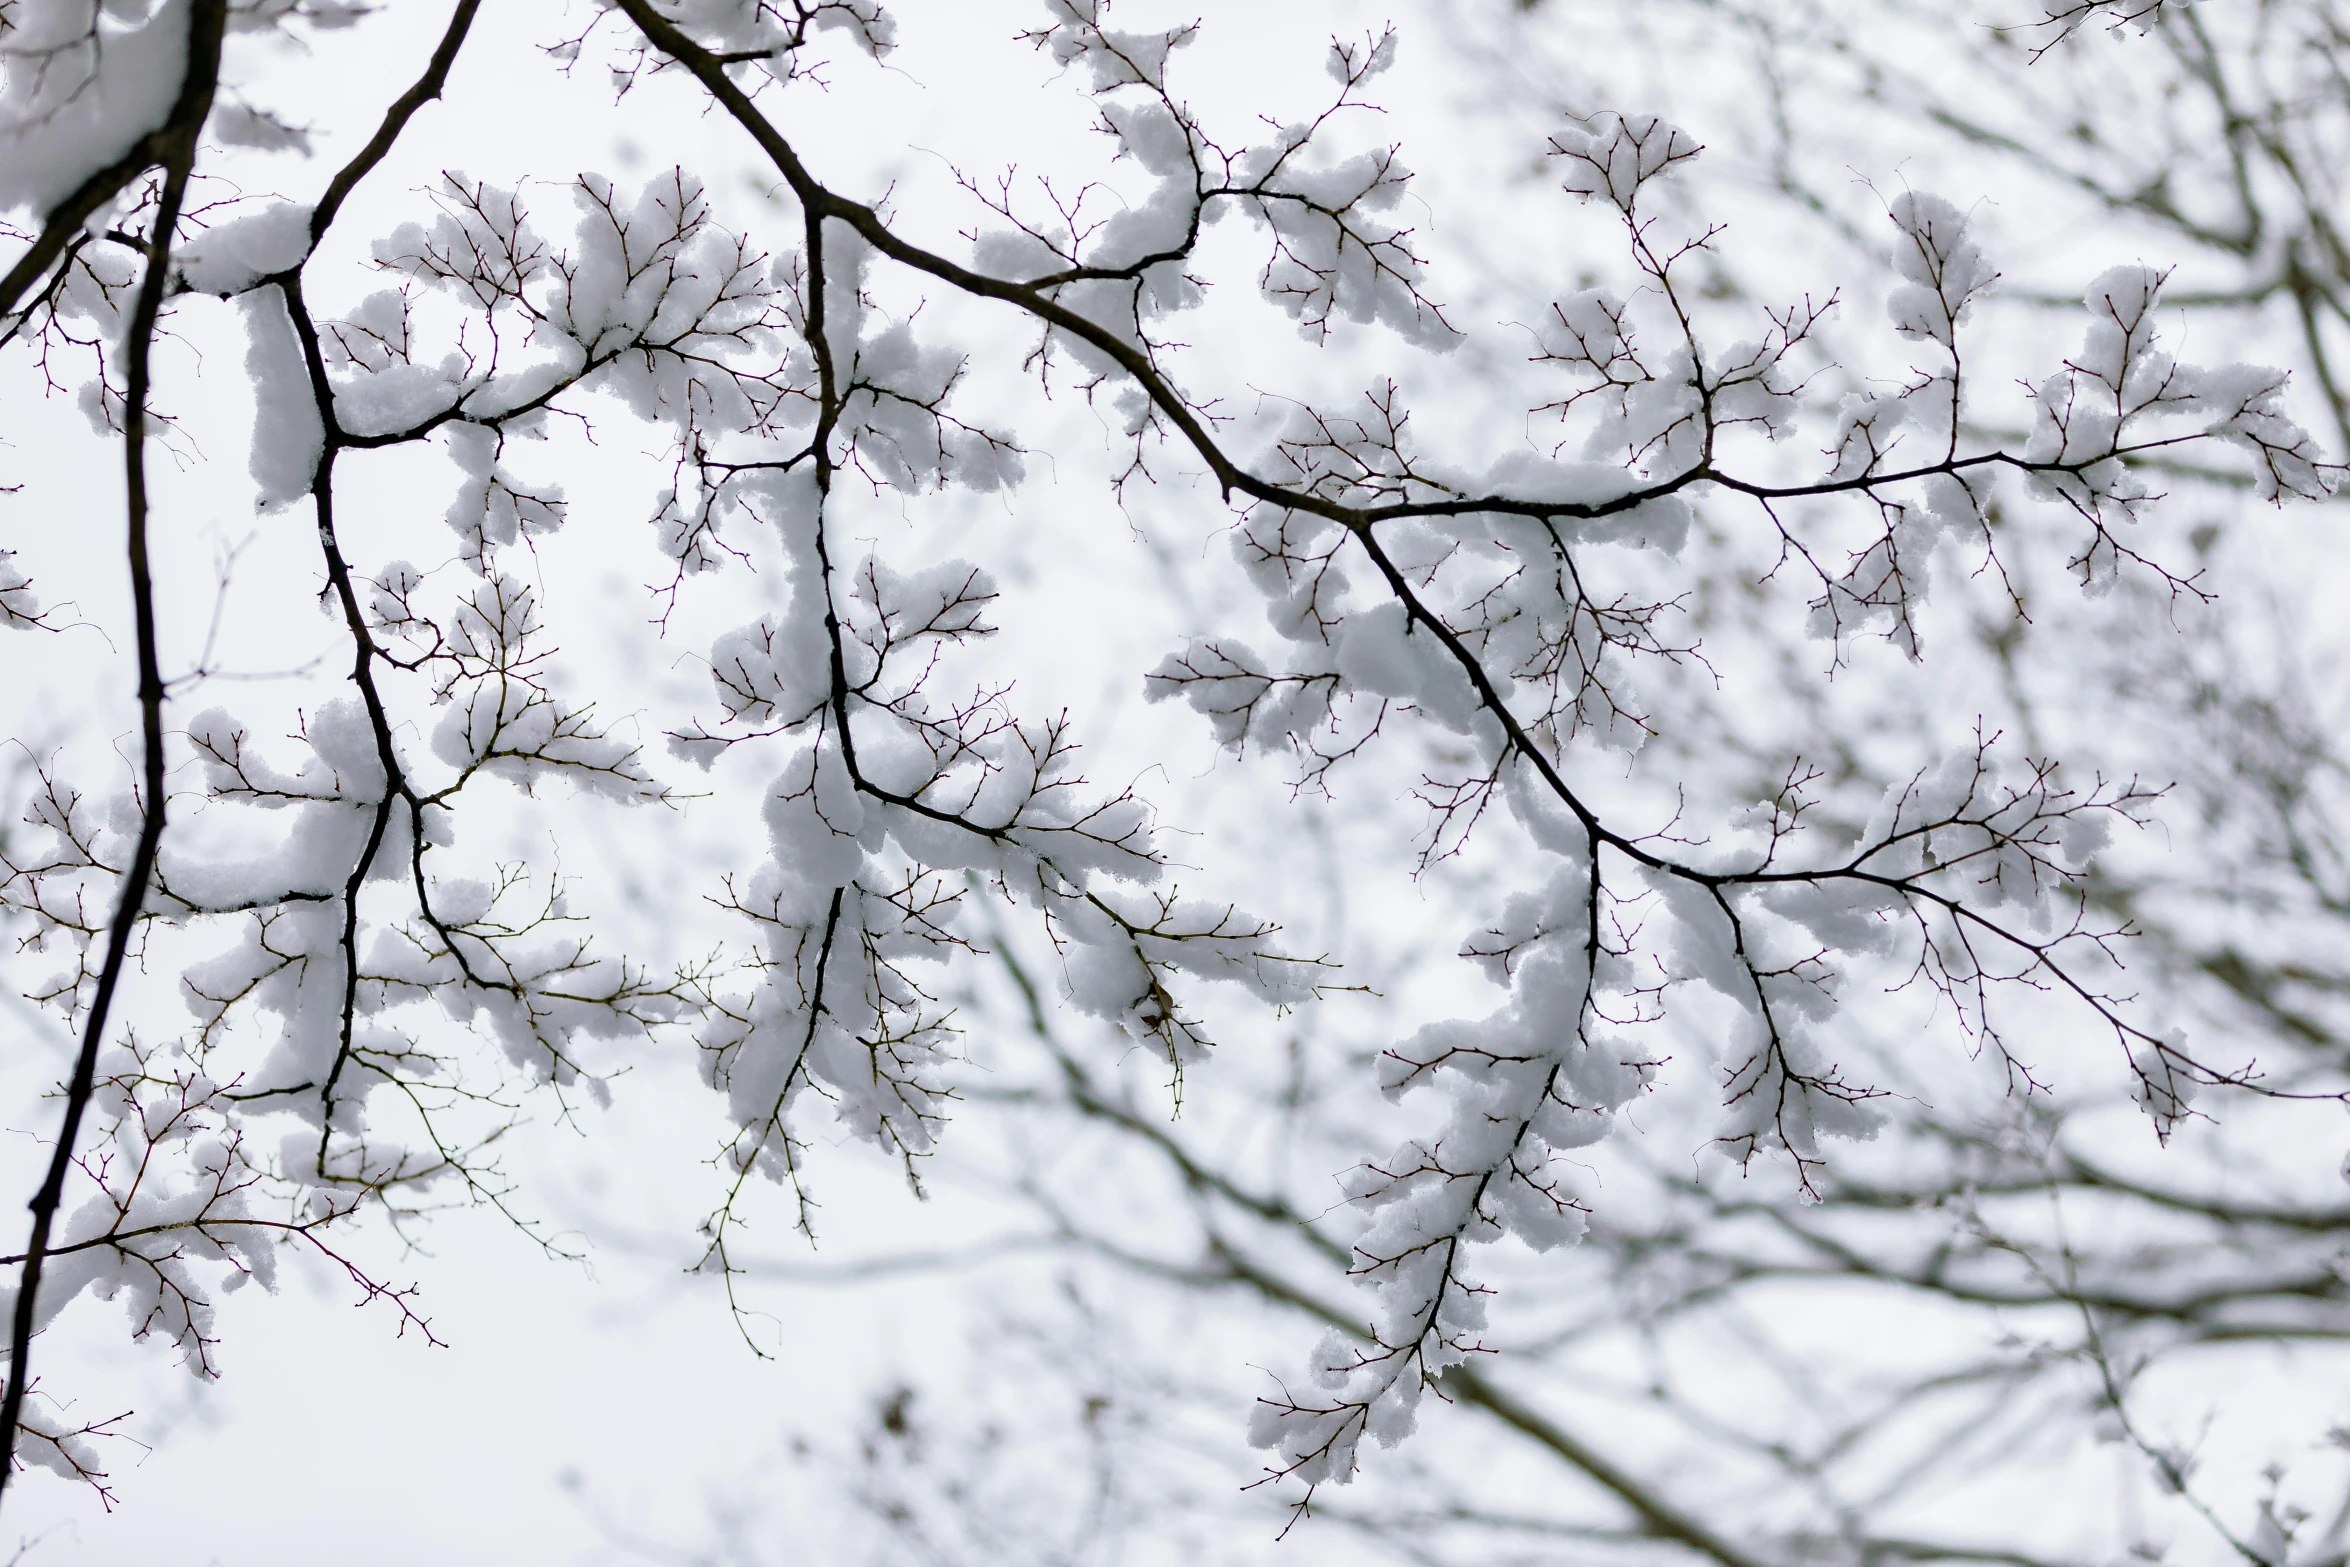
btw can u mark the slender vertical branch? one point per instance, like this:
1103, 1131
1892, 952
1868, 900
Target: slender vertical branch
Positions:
206, 25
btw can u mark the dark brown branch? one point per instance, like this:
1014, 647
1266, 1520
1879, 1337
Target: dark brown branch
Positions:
207, 21
427, 87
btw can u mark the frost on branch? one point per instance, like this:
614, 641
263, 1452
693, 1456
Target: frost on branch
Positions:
20, 609
2121, 382
1480, 611
896, 797
2060, 21
1942, 269
1333, 254
306, 1083
364, 999
80, 83
771, 40
234, 256
652, 304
